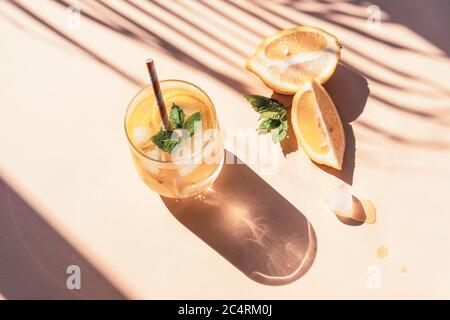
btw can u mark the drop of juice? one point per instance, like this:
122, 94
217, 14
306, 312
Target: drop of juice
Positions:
382, 252
369, 211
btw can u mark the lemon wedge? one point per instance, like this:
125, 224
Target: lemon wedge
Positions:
317, 125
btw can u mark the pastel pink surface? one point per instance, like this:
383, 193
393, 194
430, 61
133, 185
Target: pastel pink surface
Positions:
63, 97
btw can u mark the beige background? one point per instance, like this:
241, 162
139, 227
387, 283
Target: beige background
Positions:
70, 194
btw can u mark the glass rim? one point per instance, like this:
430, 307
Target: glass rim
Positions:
194, 154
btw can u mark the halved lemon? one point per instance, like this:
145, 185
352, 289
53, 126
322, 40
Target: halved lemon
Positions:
317, 125
290, 58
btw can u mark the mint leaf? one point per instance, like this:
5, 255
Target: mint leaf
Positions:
269, 123
176, 117
257, 102
265, 124
193, 122
270, 114
280, 132
266, 107
273, 116
166, 140
180, 129
274, 123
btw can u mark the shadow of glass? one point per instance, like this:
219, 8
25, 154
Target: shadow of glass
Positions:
251, 225
34, 257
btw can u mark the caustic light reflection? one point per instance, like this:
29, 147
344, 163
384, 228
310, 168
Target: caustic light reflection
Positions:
287, 261
274, 253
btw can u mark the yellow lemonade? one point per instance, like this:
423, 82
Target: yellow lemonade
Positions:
196, 163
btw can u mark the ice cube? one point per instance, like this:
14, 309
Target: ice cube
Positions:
185, 169
157, 155
141, 134
340, 200
347, 206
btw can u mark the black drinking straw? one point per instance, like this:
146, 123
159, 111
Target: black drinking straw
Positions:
157, 91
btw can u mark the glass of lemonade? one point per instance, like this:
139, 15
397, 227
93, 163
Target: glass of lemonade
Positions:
193, 166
